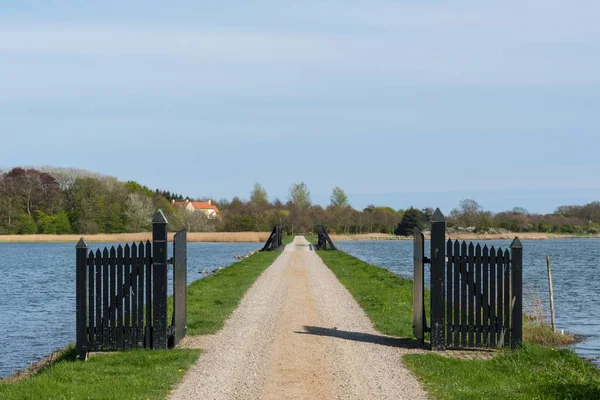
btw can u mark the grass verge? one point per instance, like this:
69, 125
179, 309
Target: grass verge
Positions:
532, 372
135, 374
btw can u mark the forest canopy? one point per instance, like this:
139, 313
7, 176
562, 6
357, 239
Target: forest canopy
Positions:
52, 200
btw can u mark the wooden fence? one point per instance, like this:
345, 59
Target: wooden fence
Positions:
121, 294
476, 292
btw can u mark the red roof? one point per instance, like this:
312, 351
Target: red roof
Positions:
204, 205
198, 205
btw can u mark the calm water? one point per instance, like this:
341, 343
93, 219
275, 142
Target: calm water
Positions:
37, 294
575, 277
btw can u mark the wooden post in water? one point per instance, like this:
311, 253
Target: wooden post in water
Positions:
551, 293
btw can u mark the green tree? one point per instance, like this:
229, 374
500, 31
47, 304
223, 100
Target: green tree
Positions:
300, 195
259, 195
338, 198
411, 219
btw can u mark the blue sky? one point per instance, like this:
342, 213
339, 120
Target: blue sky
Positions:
400, 103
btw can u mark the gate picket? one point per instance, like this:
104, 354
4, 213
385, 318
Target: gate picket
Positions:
463, 294
449, 320
127, 297
119, 262
499, 298
98, 262
507, 297
134, 295
112, 316
91, 302
478, 295
486, 297
456, 258
140, 294
148, 331
471, 296
493, 297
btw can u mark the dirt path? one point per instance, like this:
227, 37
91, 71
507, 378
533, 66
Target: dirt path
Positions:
298, 334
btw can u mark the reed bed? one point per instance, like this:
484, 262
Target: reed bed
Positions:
230, 237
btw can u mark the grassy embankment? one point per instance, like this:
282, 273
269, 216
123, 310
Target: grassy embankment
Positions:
532, 372
145, 374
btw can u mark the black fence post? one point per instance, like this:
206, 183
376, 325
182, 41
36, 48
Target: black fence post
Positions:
438, 263
159, 284
419, 286
81, 299
516, 249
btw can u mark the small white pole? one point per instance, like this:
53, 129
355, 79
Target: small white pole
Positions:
551, 292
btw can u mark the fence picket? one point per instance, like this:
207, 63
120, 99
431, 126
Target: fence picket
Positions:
141, 261
119, 305
507, 297
98, 262
492, 291
471, 296
463, 294
486, 296
456, 259
112, 295
499, 296
105, 341
148, 330
127, 297
478, 262
91, 301
449, 319
134, 295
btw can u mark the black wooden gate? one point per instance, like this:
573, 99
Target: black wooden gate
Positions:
323, 239
476, 292
121, 294
275, 239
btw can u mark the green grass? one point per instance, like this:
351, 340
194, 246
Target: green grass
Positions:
385, 297
211, 300
135, 374
145, 374
532, 372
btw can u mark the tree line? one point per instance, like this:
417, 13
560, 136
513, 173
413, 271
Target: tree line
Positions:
51, 200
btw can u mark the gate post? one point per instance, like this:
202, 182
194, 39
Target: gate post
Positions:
418, 286
516, 249
159, 281
438, 263
81, 299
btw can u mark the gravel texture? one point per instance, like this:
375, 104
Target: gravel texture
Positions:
298, 334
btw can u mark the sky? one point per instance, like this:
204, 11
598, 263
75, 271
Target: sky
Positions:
399, 103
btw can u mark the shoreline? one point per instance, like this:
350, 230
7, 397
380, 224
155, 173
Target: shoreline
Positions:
464, 236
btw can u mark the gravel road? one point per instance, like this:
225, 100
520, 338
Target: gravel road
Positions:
298, 334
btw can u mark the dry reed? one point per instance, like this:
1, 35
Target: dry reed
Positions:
137, 237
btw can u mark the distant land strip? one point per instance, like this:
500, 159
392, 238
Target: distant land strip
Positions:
464, 236
261, 237
230, 237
